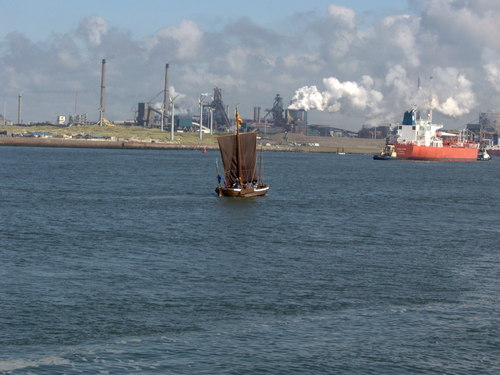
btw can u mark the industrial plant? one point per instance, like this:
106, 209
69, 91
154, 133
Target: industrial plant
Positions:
213, 116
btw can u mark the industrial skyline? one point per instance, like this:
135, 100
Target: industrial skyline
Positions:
349, 63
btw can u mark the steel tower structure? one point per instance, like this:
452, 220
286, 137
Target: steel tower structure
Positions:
277, 112
220, 115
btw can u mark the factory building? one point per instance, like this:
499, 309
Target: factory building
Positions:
146, 116
488, 128
296, 120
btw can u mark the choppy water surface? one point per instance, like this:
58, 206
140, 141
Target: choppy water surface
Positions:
126, 262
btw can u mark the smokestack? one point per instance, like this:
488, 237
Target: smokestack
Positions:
19, 108
102, 107
166, 98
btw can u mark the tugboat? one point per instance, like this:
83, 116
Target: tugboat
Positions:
483, 155
388, 153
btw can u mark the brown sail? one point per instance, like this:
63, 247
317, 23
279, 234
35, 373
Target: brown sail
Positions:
234, 164
239, 158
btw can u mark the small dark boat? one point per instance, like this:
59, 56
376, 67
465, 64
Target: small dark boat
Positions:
482, 155
388, 153
239, 158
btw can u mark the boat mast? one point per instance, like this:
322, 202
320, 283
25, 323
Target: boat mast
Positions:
238, 146
260, 167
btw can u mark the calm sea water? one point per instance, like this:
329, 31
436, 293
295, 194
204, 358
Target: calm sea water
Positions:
126, 262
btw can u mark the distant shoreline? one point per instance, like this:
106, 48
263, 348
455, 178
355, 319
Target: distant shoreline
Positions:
126, 144
87, 143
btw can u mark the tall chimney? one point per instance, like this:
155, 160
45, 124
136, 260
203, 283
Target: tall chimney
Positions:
166, 97
19, 108
102, 107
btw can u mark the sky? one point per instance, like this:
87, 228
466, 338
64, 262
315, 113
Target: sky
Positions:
349, 63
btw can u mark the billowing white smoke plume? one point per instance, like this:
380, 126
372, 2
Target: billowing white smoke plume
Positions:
339, 96
174, 96
447, 91
452, 93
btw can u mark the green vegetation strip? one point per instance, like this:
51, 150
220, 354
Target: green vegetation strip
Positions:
119, 132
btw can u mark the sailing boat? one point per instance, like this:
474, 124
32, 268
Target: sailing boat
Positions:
239, 158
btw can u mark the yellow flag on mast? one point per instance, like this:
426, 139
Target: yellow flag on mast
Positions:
237, 117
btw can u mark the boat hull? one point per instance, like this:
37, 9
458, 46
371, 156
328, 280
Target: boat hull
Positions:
408, 151
242, 192
493, 151
384, 157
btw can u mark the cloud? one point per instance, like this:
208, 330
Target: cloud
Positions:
344, 70
401, 33
345, 16
92, 30
491, 65
472, 23
187, 38
493, 74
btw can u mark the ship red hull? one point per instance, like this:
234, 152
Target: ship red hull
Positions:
426, 153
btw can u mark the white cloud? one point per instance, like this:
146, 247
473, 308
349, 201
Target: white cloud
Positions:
491, 66
327, 62
493, 74
188, 38
93, 29
236, 59
68, 60
469, 23
344, 15
401, 31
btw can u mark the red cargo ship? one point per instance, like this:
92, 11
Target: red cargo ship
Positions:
419, 139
